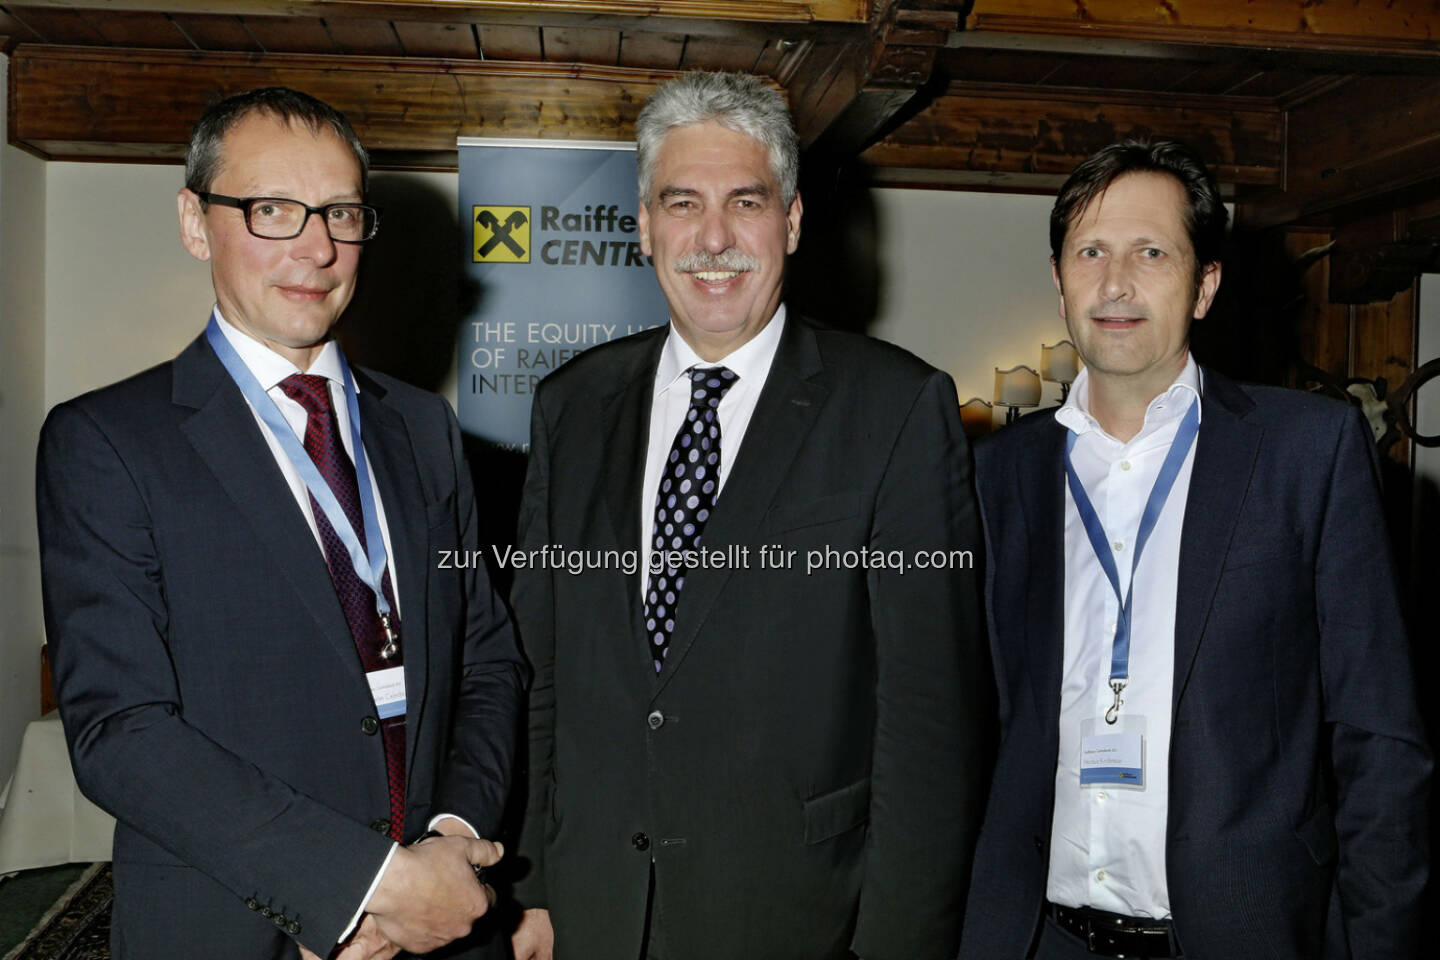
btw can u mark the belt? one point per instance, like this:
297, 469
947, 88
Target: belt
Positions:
1115, 935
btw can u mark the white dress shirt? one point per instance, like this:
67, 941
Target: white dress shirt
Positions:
269, 368
671, 400
1107, 842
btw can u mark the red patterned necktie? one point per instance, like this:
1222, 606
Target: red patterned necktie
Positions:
322, 442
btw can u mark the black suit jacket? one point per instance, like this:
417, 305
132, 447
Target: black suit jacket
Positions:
211, 691
1297, 761
805, 773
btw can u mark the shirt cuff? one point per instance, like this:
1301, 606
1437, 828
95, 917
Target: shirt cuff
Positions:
450, 816
374, 885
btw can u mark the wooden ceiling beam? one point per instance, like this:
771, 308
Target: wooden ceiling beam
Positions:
547, 12
844, 101
1190, 50
1375, 29
1374, 141
89, 103
1019, 137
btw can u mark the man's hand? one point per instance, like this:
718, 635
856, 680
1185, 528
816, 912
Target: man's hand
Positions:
534, 938
429, 895
366, 943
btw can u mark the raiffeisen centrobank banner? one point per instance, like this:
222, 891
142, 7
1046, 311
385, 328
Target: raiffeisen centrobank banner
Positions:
552, 243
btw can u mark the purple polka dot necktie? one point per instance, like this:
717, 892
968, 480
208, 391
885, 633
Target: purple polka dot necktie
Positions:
322, 442
688, 487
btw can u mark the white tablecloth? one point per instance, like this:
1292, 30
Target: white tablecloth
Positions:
45, 820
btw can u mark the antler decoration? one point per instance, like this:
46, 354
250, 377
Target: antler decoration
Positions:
1388, 413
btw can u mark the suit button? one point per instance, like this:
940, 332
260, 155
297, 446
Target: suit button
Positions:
656, 720
294, 928
369, 726
266, 912
381, 826
281, 920
252, 903
640, 842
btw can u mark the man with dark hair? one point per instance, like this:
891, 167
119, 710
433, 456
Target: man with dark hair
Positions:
1210, 745
766, 743
262, 674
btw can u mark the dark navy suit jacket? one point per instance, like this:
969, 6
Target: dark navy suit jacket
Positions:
209, 685
1298, 769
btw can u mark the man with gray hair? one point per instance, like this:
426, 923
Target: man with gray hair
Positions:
769, 741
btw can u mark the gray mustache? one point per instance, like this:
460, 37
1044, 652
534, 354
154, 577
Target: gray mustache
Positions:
724, 260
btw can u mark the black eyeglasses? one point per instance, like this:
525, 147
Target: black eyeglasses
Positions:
275, 218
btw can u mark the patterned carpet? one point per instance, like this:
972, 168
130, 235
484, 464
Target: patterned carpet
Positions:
78, 927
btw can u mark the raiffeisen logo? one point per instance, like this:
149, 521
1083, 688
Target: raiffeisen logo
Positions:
502, 234
601, 251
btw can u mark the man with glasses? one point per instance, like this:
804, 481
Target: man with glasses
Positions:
302, 727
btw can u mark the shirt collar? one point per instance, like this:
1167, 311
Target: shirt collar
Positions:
1169, 405
752, 359
268, 366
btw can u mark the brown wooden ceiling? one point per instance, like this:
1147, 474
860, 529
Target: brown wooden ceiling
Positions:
1308, 109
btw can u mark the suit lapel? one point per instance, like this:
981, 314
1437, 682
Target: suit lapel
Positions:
387, 442
625, 427
1225, 453
1042, 494
794, 391
224, 434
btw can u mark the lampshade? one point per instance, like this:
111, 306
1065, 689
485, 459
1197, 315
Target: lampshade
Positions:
977, 417
1017, 387
1059, 362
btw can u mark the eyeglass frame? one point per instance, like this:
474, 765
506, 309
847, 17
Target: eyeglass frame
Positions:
243, 204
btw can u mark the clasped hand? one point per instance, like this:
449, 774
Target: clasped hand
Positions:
428, 896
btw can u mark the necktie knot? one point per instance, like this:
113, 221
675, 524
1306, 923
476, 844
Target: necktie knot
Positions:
308, 390
708, 386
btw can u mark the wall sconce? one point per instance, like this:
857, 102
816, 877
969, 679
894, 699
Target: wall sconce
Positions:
977, 417
1060, 363
1015, 388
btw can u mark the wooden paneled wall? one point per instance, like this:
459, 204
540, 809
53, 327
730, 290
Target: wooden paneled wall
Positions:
1368, 340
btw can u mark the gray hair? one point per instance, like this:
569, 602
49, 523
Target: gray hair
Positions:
737, 101
204, 156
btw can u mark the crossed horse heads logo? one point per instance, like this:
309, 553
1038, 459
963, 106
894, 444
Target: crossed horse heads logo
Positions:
502, 235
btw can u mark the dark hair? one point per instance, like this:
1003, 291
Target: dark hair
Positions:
203, 157
1204, 215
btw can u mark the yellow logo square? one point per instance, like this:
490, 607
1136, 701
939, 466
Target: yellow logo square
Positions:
502, 234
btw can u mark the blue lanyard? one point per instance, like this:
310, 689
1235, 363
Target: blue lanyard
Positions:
369, 568
1159, 493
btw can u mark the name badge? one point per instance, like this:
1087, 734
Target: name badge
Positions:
1111, 756
387, 689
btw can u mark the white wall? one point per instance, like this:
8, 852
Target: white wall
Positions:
121, 294
22, 406
966, 282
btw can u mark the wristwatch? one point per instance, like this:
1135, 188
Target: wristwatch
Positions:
479, 870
